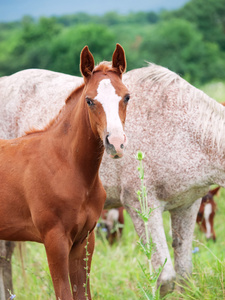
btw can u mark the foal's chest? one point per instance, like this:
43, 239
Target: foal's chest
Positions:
89, 211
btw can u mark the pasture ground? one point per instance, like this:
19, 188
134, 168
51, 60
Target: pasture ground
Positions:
116, 272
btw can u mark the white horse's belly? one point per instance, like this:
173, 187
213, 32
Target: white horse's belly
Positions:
185, 199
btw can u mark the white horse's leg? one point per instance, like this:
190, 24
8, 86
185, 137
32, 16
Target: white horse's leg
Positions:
183, 224
156, 230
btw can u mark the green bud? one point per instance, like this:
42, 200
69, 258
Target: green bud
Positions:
140, 155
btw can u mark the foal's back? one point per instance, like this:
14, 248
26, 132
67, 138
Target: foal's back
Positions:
18, 159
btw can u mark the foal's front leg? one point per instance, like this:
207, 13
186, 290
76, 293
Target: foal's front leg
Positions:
77, 267
57, 250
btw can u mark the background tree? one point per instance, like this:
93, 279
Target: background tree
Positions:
189, 41
209, 18
66, 47
178, 45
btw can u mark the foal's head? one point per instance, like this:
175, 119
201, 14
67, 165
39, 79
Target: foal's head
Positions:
106, 99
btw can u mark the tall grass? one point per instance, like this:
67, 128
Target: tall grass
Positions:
208, 278
115, 272
115, 269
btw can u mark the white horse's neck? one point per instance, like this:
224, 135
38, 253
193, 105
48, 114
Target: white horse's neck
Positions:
180, 104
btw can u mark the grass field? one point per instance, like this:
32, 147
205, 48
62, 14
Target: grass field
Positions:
115, 270
116, 273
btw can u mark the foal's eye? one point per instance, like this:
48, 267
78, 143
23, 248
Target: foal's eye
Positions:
126, 98
89, 101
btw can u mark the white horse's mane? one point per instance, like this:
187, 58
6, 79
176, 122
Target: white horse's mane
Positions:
210, 116
157, 73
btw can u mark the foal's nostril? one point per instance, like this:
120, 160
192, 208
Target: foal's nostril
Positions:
107, 140
113, 146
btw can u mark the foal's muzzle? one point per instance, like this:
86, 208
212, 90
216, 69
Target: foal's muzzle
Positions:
115, 145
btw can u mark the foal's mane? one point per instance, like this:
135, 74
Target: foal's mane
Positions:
104, 67
157, 74
209, 114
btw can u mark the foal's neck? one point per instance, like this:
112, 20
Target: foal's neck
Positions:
75, 137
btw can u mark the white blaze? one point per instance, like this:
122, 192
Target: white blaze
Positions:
207, 213
110, 102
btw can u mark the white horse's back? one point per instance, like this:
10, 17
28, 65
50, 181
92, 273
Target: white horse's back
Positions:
30, 98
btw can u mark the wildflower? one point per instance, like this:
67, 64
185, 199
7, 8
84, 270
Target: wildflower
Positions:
196, 249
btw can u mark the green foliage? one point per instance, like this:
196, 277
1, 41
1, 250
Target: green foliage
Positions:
80, 18
65, 48
48, 45
208, 17
178, 45
29, 45
189, 41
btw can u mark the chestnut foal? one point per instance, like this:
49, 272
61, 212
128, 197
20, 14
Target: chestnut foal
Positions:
50, 187
206, 214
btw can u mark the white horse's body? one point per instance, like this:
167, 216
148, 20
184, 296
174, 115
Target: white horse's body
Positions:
30, 98
180, 129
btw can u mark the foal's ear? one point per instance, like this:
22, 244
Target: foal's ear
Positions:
214, 191
119, 59
87, 62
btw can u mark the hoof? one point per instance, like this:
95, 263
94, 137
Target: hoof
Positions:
166, 283
166, 288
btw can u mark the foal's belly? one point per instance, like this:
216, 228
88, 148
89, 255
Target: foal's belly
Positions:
19, 231
16, 223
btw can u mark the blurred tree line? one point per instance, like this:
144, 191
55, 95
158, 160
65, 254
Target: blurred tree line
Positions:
189, 41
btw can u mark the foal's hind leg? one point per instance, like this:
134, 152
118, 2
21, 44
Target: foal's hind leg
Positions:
183, 224
77, 267
57, 250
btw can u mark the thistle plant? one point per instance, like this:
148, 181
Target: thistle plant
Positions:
148, 247
87, 254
